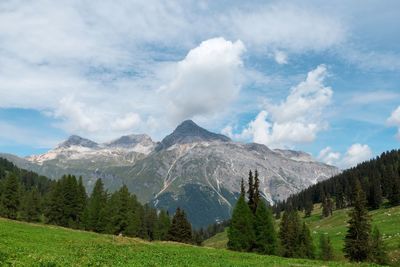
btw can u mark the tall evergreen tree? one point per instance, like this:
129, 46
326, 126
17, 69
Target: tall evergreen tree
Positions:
326, 250
265, 235
119, 209
378, 248
31, 206
163, 225
358, 234
256, 192
54, 205
180, 230
375, 193
308, 208
307, 249
242, 189
241, 234
289, 234
96, 208
250, 191
81, 202
10, 197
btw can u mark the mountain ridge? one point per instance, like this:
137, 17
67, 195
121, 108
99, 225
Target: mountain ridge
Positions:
192, 168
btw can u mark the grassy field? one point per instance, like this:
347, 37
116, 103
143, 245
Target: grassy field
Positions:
387, 220
23, 244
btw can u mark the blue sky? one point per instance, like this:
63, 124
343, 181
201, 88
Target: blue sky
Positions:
308, 75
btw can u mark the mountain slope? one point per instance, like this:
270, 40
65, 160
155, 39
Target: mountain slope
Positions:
24, 244
192, 168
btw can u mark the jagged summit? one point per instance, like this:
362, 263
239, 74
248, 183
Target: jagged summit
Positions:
131, 140
75, 140
189, 132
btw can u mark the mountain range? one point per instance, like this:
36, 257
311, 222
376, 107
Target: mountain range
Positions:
192, 168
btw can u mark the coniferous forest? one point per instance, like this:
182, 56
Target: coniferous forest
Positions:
26, 196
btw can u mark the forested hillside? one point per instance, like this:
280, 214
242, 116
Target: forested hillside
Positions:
379, 179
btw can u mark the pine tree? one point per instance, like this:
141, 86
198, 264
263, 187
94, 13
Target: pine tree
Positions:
81, 203
378, 248
31, 206
265, 234
326, 250
327, 206
256, 191
250, 192
289, 234
241, 234
163, 225
54, 205
358, 234
180, 230
96, 208
308, 208
119, 210
242, 189
10, 197
306, 244
150, 221
394, 197
375, 193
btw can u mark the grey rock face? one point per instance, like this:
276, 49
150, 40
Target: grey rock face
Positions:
191, 168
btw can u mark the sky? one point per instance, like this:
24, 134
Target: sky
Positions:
318, 76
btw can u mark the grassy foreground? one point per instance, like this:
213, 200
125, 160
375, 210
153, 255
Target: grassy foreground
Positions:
387, 220
23, 244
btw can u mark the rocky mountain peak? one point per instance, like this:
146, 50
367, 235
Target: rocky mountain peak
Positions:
189, 132
131, 140
75, 140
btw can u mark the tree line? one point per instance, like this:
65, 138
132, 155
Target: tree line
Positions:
29, 197
379, 179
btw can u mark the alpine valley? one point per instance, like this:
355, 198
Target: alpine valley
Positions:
192, 168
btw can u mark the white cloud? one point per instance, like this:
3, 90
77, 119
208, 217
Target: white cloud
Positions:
371, 97
298, 119
355, 154
127, 122
207, 80
328, 156
394, 120
281, 57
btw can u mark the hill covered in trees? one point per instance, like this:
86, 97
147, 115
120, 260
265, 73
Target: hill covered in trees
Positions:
379, 179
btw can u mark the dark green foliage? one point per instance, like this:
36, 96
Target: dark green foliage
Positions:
251, 192
375, 193
379, 179
242, 188
65, 203
327, 206
31, 206
306, 244
378, 248
163, 225
257, 195
241, 231
289, 233
180, 230
358, 234
265, 235
10, 197
295, 237
326, 250
96, 209
308, 208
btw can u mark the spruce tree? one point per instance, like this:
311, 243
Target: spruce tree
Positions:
81, 203
180, 230
375, 193
308, 208
96, 208
163, 225
54, 205
242, 189
265, 234
256, 191
250, 192
31, 206
306, 245
10, 197
326, 250
358, 234
241, 234
378, 248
